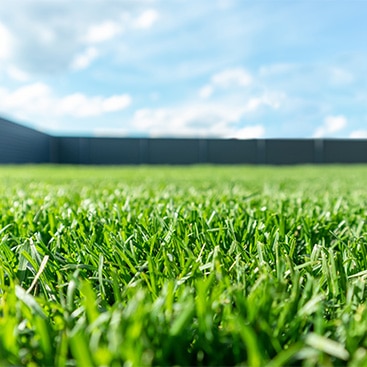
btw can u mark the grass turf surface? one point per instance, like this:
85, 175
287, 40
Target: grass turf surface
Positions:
200, 265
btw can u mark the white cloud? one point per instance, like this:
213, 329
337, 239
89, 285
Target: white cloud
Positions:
335, 123
206, 91
225, 4
116, 103
249, 132
339, 76
146, 19
6, 43
220, 116
276, 69
26, 99
17, 74
37, 102
230, 78
102, 32
49, 37
191, 121
331, 125
45, 33
83, 60
216, 119
80, 105
358, 134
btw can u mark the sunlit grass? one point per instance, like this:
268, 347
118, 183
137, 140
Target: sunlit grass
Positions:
198, 265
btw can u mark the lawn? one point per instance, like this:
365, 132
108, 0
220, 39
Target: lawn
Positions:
201, 265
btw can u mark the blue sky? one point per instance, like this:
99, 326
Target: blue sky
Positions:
204, 68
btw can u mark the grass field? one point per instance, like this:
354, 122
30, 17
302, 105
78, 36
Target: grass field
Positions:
253, 266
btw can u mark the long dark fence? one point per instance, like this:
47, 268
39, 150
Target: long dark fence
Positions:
212, 151
19, 144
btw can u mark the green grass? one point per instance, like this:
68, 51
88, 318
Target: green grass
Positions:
253, 266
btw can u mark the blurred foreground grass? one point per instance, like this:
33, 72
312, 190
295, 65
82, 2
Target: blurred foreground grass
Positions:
201, 265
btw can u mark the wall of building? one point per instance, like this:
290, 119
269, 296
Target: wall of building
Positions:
19, 144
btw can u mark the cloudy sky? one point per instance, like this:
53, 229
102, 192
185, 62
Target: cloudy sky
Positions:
204, 68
